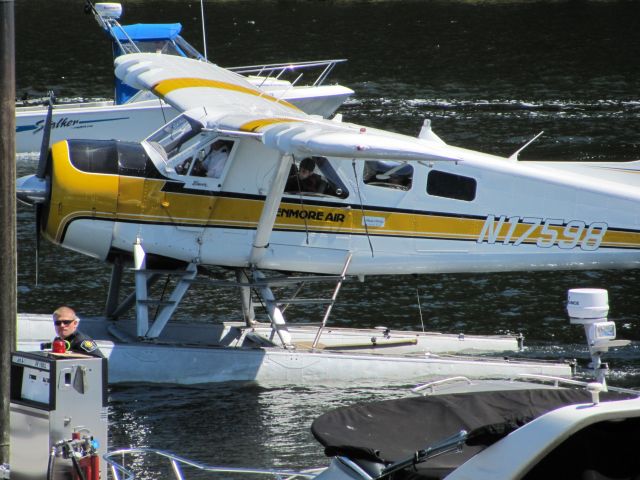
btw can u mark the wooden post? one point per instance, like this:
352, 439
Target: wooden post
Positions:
8, 268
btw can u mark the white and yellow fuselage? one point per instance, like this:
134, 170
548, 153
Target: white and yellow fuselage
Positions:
522, 215
393, 203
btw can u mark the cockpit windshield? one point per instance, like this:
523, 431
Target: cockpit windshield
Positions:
176, 136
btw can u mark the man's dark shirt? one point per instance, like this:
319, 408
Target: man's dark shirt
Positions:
313, 183
80, 343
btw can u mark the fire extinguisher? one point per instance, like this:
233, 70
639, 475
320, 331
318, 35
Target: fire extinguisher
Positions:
87, 467
83, 465
95, 466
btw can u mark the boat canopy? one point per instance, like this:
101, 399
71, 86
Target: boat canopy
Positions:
147, 37
148, 31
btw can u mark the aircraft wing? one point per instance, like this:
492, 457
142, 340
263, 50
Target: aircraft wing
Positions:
232, 104
330, 139
186, 84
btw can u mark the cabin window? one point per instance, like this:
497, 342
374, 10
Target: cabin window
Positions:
314, 176
449, 185
388, 174
209, 161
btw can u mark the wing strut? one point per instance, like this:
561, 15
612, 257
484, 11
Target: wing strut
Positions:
270, 210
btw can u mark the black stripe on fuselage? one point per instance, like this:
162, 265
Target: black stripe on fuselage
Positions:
301, 231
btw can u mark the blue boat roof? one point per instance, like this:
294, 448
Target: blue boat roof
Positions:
148, 31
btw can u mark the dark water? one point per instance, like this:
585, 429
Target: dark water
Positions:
489, 75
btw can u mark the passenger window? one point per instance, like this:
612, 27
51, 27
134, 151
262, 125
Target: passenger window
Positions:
315, 176
449, 185
388, 174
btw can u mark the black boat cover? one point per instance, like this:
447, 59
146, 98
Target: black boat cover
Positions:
393, 430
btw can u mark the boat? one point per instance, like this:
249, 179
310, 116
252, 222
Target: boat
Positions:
132, 114
476, 429
496, 429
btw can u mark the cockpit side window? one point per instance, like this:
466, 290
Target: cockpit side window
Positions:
208, 160
316, 177
388, 174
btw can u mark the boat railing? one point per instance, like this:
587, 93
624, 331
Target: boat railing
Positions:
430, 387
558, 381
122, 465
112, 26
276, 71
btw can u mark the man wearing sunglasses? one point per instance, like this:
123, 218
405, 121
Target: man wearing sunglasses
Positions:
66, 325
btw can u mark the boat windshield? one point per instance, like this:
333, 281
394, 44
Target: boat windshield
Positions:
175, 136
176, 46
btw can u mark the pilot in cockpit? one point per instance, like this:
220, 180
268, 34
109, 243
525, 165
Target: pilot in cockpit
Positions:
212, 163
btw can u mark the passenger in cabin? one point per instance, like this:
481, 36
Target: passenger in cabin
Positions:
306, 180
66, 323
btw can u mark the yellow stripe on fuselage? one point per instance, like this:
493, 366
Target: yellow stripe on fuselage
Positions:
78, 194
165, 87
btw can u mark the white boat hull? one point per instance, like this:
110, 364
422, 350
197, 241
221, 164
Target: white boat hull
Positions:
135, 121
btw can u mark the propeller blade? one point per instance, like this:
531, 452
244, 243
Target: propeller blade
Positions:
46, 137
38, 224
42, 170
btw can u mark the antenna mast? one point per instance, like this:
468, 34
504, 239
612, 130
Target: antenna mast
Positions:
204, 32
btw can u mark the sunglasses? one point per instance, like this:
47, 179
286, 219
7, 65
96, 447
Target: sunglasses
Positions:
57, 323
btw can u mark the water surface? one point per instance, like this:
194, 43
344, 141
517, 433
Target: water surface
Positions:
489, 75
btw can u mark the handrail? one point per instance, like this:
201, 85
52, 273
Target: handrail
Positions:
111, 24
556, 381
292, 66
436, 383
117, 461
278, 69
568, 381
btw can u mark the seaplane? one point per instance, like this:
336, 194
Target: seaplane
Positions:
134, 114
247, 182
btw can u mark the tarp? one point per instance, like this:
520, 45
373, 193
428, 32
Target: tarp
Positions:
389, 431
